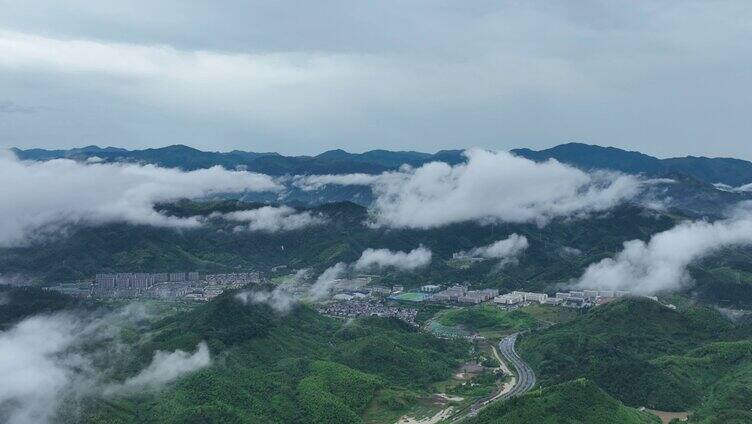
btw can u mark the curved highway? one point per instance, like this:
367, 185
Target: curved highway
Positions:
525, 375
523, 382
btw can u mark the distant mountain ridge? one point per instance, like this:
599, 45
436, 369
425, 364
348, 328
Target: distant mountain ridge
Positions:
188, 158
734, 172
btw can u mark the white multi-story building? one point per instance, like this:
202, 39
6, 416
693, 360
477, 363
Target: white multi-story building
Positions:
509, 299
590, 294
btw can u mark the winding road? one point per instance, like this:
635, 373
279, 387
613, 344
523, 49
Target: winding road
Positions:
525, 375
521, 383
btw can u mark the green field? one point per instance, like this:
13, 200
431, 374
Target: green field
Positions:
488, 320
410, 297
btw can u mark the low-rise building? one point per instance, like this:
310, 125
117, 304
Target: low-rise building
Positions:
532, 297
430, 288
590, 294
509, 299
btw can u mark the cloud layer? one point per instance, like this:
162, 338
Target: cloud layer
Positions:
661, 263
295, 77
40, 195
272, 219
44, 364
491, 186
385, 258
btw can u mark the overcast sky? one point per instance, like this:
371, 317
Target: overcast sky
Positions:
667, 78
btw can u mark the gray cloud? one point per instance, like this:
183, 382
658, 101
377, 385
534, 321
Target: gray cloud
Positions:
661, 263
12, 107
362, 75
46, 195
273, 219
385, 258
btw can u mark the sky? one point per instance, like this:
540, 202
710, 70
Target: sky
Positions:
668, 78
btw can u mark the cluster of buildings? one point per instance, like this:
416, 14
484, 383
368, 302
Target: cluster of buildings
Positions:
171, 286
572, 299
461, 294
362, 308
519, 297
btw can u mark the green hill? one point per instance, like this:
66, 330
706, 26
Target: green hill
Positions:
299, 367
617, 346
573, 402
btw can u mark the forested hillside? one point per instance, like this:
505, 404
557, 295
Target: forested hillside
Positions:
299, 367
644, 353
578, 401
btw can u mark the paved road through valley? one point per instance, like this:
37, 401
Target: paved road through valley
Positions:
524, 381
525, 375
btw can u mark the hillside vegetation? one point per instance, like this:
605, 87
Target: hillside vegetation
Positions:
295, 368
573, 402
641, 352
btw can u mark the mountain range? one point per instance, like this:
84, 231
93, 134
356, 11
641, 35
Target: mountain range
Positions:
729, 171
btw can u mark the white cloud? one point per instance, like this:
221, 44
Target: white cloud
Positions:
46, 363
164, 368
741, 189
273, 219
34, 373
316, 182
324, 283
491, 186
383, 258
278, 299
568, 251
507, 250
60, 192
661, 263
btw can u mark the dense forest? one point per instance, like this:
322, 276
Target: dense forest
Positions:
646, 354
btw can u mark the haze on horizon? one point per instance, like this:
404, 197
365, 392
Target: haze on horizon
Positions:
663, 78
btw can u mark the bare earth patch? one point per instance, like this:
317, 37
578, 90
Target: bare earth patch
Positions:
666, 417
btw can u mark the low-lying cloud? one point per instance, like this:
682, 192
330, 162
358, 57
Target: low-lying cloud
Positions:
324, 282
490, 187
278, 299
661, 263
746, 188
164, 368
507, 250
45, 196
385, 258
273, 219
44, 364
316, 182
